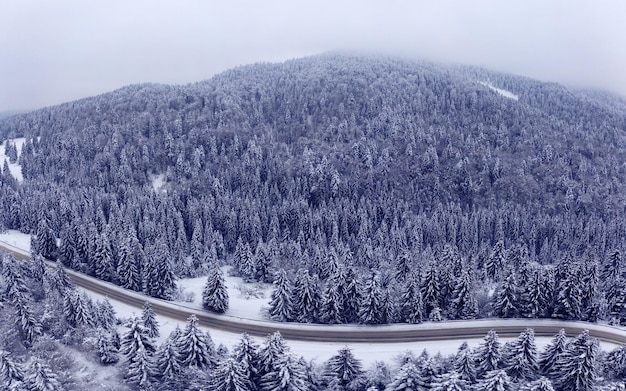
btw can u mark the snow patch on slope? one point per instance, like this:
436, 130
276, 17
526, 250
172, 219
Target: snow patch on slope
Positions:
500, 91
14, 168
158, 183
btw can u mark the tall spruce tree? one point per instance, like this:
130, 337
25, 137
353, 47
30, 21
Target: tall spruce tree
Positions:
215, 293
281, 307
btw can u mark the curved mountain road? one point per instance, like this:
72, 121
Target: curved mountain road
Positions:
454, 330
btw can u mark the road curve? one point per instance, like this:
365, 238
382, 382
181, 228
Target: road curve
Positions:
429, 331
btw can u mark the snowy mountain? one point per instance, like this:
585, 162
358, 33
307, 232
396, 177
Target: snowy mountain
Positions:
370, 190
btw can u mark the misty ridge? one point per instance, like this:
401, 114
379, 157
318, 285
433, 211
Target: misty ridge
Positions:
369, 190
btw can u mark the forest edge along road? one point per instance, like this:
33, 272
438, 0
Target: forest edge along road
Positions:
450, 330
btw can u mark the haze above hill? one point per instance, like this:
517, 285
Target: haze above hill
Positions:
61, 51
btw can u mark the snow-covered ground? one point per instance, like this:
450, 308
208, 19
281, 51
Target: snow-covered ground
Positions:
16, 241
505, 93
248, 301
158, 183
14, 168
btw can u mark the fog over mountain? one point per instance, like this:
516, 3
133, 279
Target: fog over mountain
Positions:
59, 51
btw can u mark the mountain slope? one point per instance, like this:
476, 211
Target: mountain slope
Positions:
363, 156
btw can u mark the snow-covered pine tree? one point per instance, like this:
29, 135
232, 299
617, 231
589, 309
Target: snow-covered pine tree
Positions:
534, 295
408, 377
27, 324
148, 318
158, 279
541, 384
45, 243
280, 304
263, 264
289, 375
11, 372
507, 298
139, 371
41, 378
134, 339
215, 294
551, 356
246, 352
229, 375
306, 297
330, 307
107, 352
465, 364
521, 359
272, 349
371, 310
463, 304
577, 366
102, 258
403, 264
431, 289
496, 380
105, 314
496, 261
127, 272
488, 354
451, 381
411, 306
343, 371
167, 360
195, 347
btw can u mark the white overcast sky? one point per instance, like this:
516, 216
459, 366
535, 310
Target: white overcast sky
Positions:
61, 50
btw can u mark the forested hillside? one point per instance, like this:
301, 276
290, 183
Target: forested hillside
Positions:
396, 190
369, 190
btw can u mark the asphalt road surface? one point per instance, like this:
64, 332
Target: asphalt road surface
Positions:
454, 330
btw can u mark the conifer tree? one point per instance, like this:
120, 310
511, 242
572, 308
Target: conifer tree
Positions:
281, 304
371, 309
450, 382
331, 311
431, 289
488, 354
343, 371
148, 318
551, 356
215, 294
289, 375
465, 364
306, 297
41, 378
272, 349
541, 384
105, 314
411, 305
139, 371
496, 380
195, 347
230, 376
11, 372
521, 359
127, 272
506, 299
576, 366
463, 304
408, 378
351, 297
246, 353
134, 339
107, 352
102, 258
167, 360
